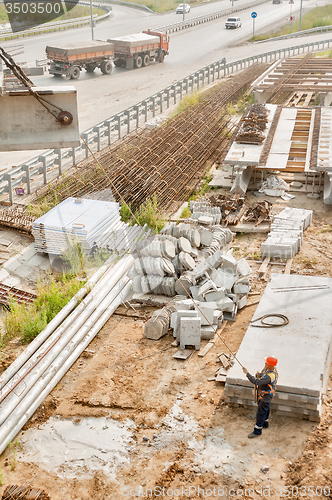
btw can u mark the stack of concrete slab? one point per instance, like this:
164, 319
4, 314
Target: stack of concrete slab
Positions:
74, 221
286, 234
303, 346
204, 212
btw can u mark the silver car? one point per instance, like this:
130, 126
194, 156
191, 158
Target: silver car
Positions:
179, 9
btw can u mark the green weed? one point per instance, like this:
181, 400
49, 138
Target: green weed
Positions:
149, 214
125, 212
186, 213
328, 228
28, 321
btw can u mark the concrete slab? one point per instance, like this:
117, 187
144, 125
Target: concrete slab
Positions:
305, 300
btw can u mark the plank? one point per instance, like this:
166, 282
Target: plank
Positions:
182, 354
206, 349
288, 266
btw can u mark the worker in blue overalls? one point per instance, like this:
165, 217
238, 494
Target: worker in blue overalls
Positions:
266, 382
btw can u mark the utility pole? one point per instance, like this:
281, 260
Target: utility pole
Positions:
91, 15
183, 10
300, 16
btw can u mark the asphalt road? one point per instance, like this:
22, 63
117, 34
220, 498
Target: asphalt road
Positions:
101, 96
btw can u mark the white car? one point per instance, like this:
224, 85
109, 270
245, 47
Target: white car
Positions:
179, 9
233, 22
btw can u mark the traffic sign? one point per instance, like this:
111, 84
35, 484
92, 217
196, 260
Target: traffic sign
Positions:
253, 15
292, 18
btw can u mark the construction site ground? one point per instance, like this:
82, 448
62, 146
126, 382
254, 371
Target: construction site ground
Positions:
173, 431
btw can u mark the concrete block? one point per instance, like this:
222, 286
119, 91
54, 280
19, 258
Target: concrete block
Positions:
194, 292
231, 315
186, 260
206, 287
215, 260
242, 302
229, 265
215, 296
240, 288
185, 304
206, 237
206, 220
223, 279
190, 333
183, 245
243, 268
206, 315
225, 305
179, 315
207, 333
173, 320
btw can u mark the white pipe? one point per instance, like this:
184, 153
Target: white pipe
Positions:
90, 314
53, 324
26, 409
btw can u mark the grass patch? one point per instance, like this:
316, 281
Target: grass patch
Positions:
319, 16
186, 213
328, 228
28, 321
164, 5
148, 213
189, 100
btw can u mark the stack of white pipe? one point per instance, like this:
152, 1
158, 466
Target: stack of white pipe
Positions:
65, 338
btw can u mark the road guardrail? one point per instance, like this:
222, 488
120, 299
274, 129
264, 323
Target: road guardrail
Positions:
296, 34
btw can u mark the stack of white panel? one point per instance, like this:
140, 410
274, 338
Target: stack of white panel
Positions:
74, 221
286, 235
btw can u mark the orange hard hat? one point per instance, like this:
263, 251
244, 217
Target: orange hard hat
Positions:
271, 360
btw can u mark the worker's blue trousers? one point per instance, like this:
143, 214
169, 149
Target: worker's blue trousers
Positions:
262, 416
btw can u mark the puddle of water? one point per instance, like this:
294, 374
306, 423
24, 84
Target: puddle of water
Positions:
78, 448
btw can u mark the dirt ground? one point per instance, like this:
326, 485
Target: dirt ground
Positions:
185, 440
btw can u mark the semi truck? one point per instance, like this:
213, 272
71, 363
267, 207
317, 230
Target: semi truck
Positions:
69, 59
140, 49
131, 51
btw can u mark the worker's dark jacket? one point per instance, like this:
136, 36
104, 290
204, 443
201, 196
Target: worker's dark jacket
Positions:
266, 384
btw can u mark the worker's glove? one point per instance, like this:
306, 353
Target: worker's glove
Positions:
244, 370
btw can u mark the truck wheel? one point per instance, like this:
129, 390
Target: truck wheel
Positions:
75, 73
161, 57
138, 62
90, 68
146, 60
106, 67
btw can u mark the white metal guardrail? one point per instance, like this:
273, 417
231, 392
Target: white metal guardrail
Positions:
296, 34
112, 129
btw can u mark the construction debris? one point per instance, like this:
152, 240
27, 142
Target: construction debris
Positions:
273, 186
260, 212
253, 123
16, 218
24, 493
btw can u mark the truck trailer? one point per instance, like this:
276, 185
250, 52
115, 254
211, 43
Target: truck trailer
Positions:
140, 49
69, 59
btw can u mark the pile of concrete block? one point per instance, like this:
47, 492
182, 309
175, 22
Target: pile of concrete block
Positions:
286, 234
205, 213
173, 253
157, 326
193, 321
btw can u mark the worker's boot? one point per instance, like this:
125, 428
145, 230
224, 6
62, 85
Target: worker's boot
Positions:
253, 435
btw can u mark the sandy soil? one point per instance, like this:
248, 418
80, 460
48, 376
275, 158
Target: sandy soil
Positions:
184, 436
